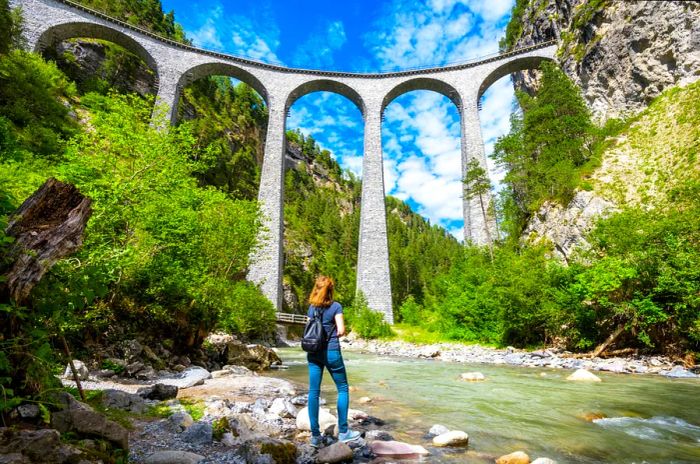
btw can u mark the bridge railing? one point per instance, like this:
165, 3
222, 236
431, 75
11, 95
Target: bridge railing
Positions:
288, 318
281, 67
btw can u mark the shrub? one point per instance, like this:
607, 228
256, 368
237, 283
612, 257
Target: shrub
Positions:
365, 321
410, 311
247, 311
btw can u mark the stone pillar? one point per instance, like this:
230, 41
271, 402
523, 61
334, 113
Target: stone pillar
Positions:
266, 262
373, 278
165, 111
473, 148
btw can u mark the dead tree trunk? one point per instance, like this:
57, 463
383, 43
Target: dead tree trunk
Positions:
47, 227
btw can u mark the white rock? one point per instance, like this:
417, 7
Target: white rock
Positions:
584, 376
228, 439
356, 414
451, 438
283, 408
438, 429
473, 376
80, 368
325, 419
365, 400
543, 461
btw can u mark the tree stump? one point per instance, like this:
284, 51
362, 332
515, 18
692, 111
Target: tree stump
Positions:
47, 227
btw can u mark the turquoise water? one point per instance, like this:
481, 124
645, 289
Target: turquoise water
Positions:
648, 419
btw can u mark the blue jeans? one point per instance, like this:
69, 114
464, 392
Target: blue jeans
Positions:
333, 361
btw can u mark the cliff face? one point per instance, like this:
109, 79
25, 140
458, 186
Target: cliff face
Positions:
88, 61
622, 54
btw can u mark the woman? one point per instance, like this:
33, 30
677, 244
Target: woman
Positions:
321, 300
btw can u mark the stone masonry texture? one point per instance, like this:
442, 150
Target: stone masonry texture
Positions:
48, 22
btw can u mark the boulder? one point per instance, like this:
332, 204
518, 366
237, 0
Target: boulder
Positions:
44, 445
190, 377
200, 433
260, 407
544, 461
91, 424
132, 349
514, 458
437, 429
173, 457
582, 375
147, 373
364, 400
472, 376
452, 438
254, 357
133, 368
337, 452
283, 408
325, 419
397, 449
28, 411
281, 451
356, 414
117, 399
180, 421
159, 391
80, 368
228, 439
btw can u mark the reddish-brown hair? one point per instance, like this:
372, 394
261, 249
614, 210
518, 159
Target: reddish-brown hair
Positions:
322, 294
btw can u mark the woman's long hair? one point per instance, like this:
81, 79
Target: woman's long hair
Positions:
322, 294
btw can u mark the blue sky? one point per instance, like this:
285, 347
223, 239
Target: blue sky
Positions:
421, 135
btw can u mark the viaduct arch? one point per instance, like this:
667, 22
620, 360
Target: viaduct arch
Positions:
176, 65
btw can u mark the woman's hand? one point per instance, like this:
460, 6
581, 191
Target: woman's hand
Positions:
340, 324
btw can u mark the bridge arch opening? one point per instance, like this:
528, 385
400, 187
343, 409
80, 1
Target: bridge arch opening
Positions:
88, 48
492, 106
423, 83
508, 68
230, 117
322, 191
421, 144
222, 69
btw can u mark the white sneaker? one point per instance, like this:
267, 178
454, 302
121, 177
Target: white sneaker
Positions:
349, 436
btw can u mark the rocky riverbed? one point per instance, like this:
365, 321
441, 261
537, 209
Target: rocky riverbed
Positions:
234, 415
546, 358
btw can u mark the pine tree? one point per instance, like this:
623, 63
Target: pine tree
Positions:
478, 186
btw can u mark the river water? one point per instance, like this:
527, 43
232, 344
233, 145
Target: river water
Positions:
648, 419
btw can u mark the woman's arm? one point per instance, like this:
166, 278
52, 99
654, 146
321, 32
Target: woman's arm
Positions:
340, 324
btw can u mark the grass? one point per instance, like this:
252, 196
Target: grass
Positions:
194, 408
422, 336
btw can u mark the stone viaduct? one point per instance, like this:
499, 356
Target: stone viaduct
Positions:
48, 22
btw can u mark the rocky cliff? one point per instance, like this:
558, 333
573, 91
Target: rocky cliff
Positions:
622, 54
96, 65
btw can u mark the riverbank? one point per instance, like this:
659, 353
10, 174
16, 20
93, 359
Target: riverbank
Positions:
547, 358
232, 415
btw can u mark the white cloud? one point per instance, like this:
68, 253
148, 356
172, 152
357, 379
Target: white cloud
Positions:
317, 51
254, 36
207, 36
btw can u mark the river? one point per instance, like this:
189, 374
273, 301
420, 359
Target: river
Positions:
648, 419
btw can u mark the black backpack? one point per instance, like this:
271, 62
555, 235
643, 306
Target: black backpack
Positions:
314, 337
